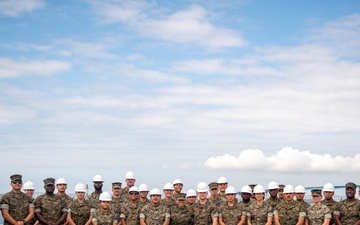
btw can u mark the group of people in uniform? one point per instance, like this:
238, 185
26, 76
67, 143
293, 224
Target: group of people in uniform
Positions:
210, 204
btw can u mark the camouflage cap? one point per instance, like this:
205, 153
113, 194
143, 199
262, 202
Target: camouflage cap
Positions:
16, 177
116, 185
252, 186
281, 187
180, 196
316, 192
213, 185
49, 181
350, 185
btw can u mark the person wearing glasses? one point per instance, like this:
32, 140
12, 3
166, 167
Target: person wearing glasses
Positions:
16, 207
131, 210
318, 213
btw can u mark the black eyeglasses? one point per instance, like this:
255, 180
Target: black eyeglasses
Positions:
133, 193
16, 182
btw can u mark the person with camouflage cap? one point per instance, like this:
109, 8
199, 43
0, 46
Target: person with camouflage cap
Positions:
50, 208
281, 191
131, 210
317, 214
117, 201
181, 214
214, 196
231, 213
349, 208
16, 207
155, 213
80, 208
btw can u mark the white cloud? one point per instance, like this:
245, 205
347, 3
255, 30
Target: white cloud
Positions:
17, 7
11, 68
287, 160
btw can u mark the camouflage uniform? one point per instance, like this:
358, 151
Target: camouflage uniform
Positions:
349, 212
222, 198
67, 199
50, 206
231, 215
125, 194
273, 203
168, 204
218, 201
175, 195
93, 198
17, 204
131, 213
334, 209
289, 213
203, 213
316, 215
104, 217
116, 205
304, 204
142, 204
80, 212
258, 214
181, 216
154, 215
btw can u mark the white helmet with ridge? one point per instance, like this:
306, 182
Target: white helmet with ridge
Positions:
289, 189
130, 175
191, 193
28, 185
202, 187
246, 189
61, 181
133, 189
155, 191
230, 190
168, 186
98, 178
80, 187
105, 196
177, 181
259, 189
221, 180
329, 187
273, 185
143, 187
300, 189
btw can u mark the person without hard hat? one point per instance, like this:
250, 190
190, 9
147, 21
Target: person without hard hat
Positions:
214, 195
116, 199
130, 180
155, 213
204, 211
281, 191
104, 215
300, 194
289, 211
94, 196
168, 200
190, 197
231, 212
259, 212
79, 210
328, 192
131, 210
317, 214
16, 206
143, 193
181, 213
50, 208
349, 208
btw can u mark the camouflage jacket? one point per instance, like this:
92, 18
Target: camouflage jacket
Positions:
258, 214
272, 202
131, 213
289, 213
231, 214
142, 204
218, 201
104, 217
154, 214
94, 200
349, 212
203, 213
181, 216
50, 206
334, 209
80, 212
17, 204
116, 205
316, 215
168, 204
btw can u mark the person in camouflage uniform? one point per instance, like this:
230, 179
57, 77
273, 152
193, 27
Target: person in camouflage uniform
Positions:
318, 213
190, 197
328, 192
259, 212
104, 216
273, 200
214, 198
169, 201
245, 196
205, 213
222, 185
50, 208
349, 208
181, 214
289, 212
94, 196
231, 213
117, 202
29, 189
155, 213
143, 193
130, 180
131, 209
16, 207
281, 191
79, 210
61, 187
300, 194
178, 186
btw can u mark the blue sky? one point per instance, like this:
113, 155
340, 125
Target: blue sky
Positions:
250, 90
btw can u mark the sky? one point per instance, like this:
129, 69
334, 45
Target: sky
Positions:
250, 90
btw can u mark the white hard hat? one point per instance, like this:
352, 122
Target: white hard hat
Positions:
300, 189
230, 190
105, 196
155, 191
246, 189
191, 193
143, 187
168, 186
177, 181
259, 189
221, 180
28, 185
273, 185
61, 181
134, 188
80, 187
98, 178
289, 189
327, 187
130, 175
202, 187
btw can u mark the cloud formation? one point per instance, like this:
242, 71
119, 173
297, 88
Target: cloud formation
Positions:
14, 8
287, 160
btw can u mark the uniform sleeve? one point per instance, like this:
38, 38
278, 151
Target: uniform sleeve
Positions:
167, 212
4, 203
37, 204
214, 211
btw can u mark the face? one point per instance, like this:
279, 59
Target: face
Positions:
130, 182
168, 193
350, 193
61, 187
105, 204
143, 194
133, 195
191, 200
180, 202
289, 197
50, 188
231, 197
116, 191
80, 195
328, 195
202, 195
281, 194
259, 196
98, 185
245, 196
222, 187
316, 198
16, 185
273, 193
29, 192
214, 191
299, 196
178, 188
155, 199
